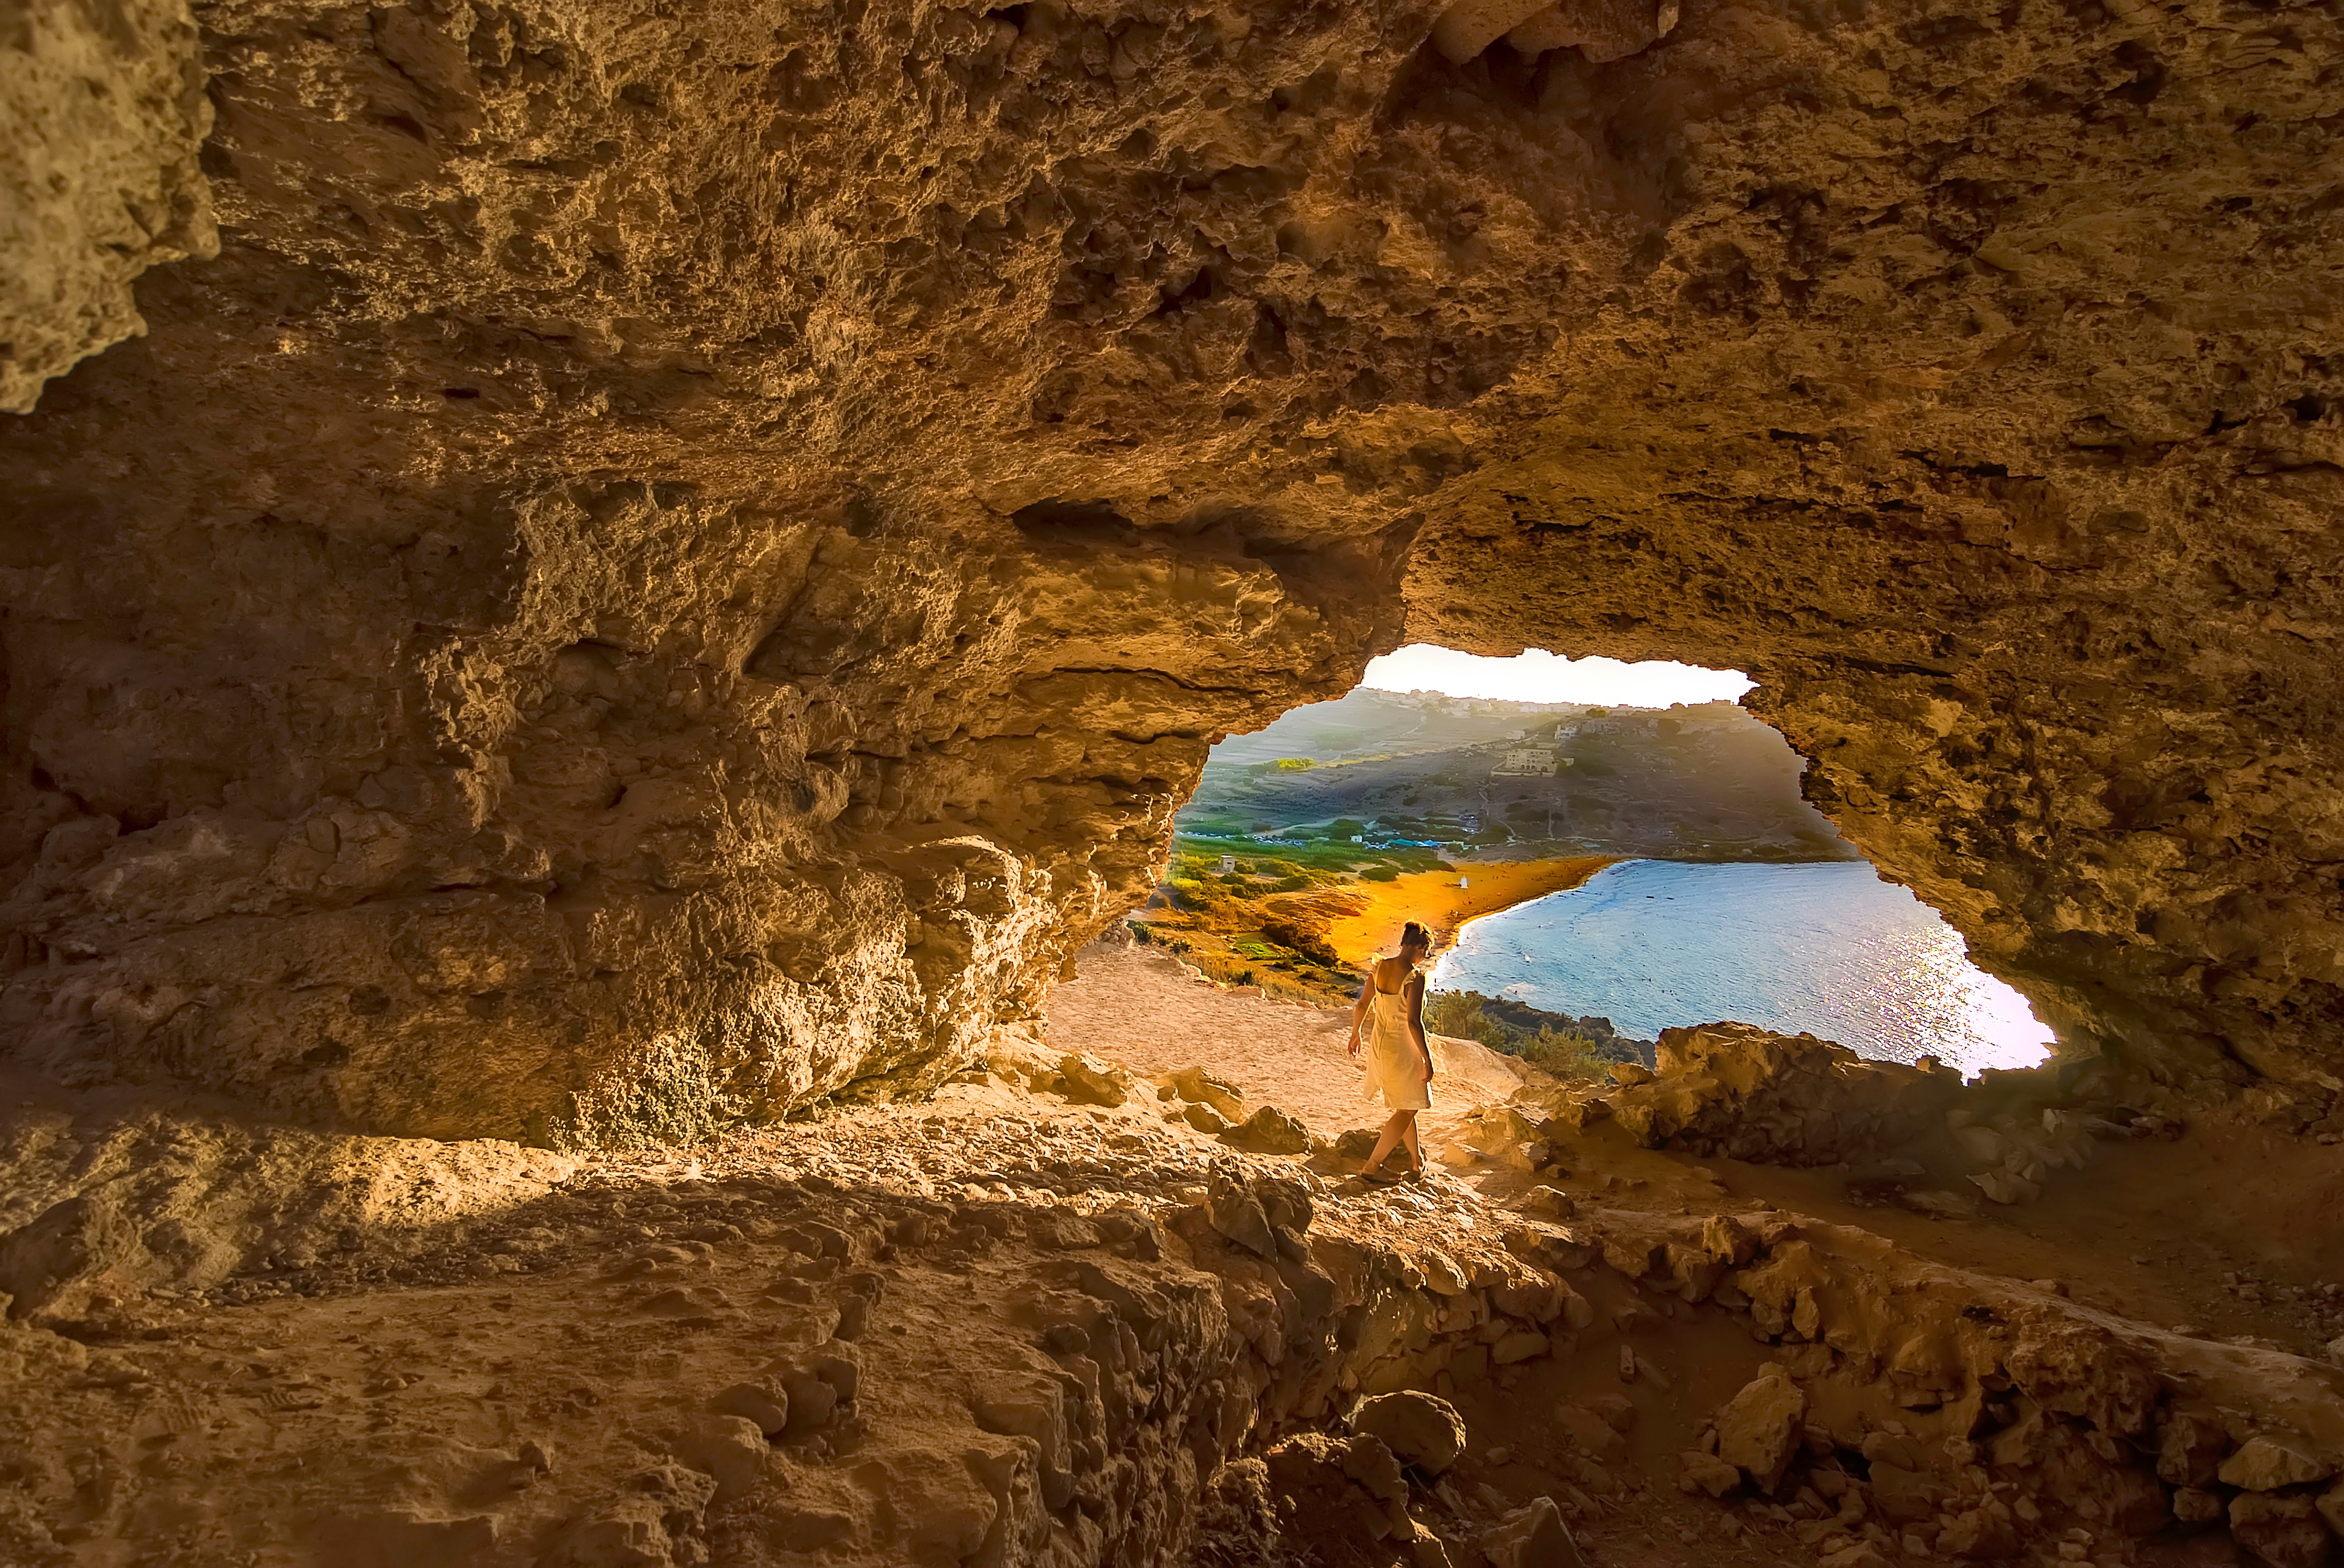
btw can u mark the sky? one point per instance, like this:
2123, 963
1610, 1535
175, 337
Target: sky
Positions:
1539, 676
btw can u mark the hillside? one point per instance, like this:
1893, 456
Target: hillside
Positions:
1707, 782
1310, 840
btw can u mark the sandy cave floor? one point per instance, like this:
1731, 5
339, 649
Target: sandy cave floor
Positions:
495, 1355
1138, 1006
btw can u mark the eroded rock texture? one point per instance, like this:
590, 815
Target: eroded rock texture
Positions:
676, 563
104, 108
1972, 388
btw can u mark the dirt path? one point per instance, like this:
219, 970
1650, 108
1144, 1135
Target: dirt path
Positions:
1138, 1006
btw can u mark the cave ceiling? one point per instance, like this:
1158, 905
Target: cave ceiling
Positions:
631, 568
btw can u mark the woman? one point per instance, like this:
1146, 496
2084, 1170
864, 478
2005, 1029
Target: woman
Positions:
1399, 1064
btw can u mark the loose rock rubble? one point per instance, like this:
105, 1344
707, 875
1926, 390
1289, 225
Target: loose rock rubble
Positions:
1019, 1327
1735, 1089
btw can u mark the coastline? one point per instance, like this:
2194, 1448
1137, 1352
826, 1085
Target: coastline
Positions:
1434, 899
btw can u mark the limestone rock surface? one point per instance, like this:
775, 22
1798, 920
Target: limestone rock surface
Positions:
677, 562
98, 178
1424, 1429
1758, 1428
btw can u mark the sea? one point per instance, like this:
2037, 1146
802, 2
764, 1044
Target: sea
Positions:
1827, 948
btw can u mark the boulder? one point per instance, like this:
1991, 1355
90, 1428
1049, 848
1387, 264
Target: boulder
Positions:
817, 1382
1205, 1119
1533, 1297
2189, 1450
727, 1448
1729, 1239
1518, 1347
2268, 1464
1424, 1431
1285, 1202
1270, 1131
1759, 1429
1237, 1214
1197, 1086
1348, 1497
1547, 1202
1086, 1081
1533, 1536
1707, 1473
1375, 1467
1735, 1089
2284, 1532
765, 1402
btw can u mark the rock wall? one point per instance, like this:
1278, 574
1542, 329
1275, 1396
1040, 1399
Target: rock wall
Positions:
675, 566
1964, 385
98, 181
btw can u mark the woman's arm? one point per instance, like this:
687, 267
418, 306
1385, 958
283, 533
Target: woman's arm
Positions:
1415, 1022
1359, 1010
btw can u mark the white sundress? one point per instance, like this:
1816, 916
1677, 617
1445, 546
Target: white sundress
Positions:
1395, 1071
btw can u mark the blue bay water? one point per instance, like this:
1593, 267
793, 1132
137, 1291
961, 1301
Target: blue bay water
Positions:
1826, 948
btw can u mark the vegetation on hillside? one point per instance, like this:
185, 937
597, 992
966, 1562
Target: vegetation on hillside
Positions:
1263, 921
1307, 822
1565, 1052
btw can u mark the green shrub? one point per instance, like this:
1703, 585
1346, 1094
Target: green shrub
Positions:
1459, 1014
1381, 874
1564, 1054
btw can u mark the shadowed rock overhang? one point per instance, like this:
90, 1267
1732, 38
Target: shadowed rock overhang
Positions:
676, 562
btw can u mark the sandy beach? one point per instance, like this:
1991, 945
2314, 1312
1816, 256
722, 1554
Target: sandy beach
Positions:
1435, 900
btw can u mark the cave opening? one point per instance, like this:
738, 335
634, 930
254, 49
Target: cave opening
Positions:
1603, 850
595, 599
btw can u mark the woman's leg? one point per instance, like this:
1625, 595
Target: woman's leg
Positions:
1400, 1121
1407, 1136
